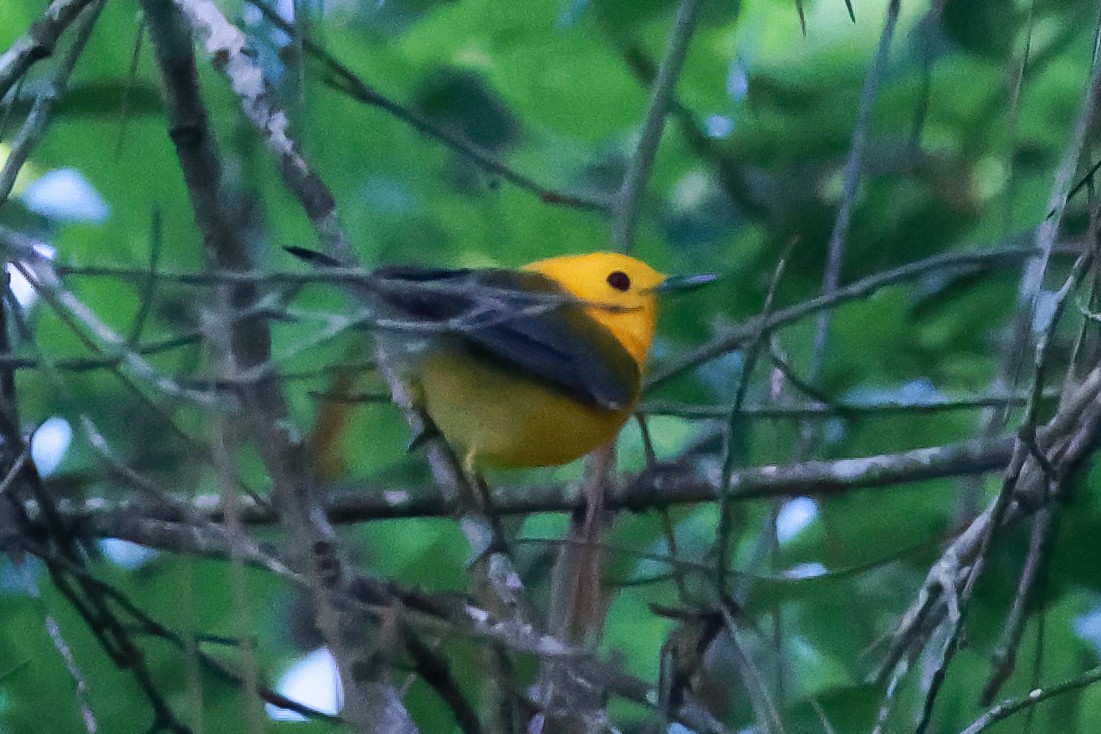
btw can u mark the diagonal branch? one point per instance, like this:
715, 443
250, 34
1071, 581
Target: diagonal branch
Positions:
344, 79
628, 200
371, 701
1066, 441
735, 337
38, 42
34, 127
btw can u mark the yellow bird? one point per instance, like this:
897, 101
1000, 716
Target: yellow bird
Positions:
522, 368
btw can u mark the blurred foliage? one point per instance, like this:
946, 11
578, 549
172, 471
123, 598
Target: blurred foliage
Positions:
959, 156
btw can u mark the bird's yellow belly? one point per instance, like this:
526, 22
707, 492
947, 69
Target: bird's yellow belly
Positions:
490, 415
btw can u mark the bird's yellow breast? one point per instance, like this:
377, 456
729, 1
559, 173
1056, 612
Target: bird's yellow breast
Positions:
493, 415
529, 367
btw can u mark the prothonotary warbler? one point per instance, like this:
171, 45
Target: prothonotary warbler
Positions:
522, 368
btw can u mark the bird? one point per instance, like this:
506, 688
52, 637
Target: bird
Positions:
530, 367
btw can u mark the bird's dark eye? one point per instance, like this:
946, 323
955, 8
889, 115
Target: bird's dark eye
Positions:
619, 280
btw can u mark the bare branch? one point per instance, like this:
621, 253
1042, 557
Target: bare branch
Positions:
733, 338
166, 525
628, 200
371, 702
348, 82
1066, 441
34, 127
37, 42
835, 251
1010, 706
225, 44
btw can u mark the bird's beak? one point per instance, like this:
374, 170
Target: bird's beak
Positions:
683, 282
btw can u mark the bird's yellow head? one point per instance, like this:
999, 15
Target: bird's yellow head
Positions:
621, 289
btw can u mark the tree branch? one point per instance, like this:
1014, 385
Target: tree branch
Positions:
835, 251
163, 524
628, 200
371, 701
347, 81
733, 338
38, 41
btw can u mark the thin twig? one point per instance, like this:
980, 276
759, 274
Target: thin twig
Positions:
724, 530
1005, 654
841, 409
1032, 278
34, 127
850, 185
62, 647
76, 314
37, 42
628, 200
764, 709
344, 79
733, 338
1010, 706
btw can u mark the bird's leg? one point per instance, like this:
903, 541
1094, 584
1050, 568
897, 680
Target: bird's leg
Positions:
481, 495
477, 483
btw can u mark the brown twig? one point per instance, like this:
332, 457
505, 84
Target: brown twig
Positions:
1011, 706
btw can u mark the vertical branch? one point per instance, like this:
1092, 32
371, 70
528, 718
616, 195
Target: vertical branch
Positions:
724, 531
218, 337
1004, 658
628, 199
371, 702
851, 184
189, 644
499, 582
577, 605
